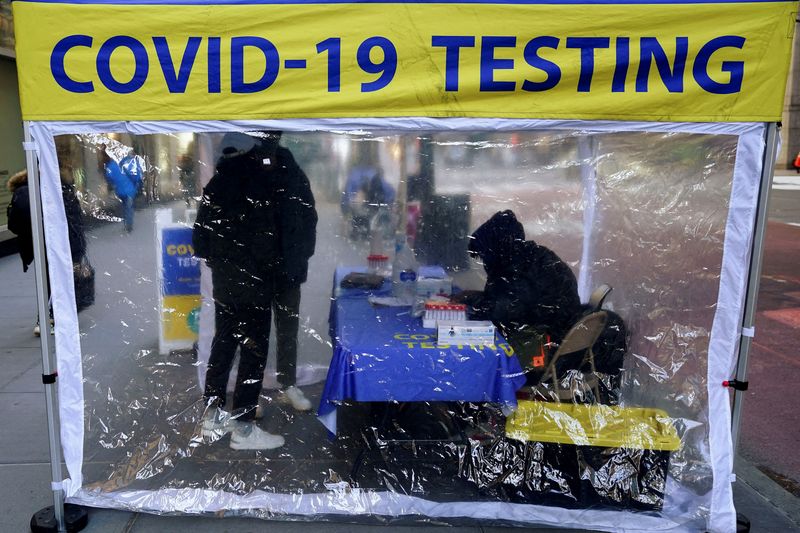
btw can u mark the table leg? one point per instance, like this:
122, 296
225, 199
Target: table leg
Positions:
367, 441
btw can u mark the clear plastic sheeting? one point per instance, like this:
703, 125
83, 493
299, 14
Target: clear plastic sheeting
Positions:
597, 259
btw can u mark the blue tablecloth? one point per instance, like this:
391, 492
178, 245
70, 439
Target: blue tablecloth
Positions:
383, 354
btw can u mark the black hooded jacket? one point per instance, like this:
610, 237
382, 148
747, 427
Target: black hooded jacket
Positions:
297, 220
256, 226
19, 220
527, 285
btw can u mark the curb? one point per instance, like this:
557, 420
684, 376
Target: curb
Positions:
773, 494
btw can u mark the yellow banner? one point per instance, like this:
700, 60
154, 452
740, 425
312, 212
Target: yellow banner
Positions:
714, 61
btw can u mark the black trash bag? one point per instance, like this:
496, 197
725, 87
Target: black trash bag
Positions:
522, 472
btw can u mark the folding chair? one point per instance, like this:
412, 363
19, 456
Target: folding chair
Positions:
575, 353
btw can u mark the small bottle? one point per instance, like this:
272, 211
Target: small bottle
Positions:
404, 273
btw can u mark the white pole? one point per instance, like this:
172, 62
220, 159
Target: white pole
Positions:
48, 360
587, 148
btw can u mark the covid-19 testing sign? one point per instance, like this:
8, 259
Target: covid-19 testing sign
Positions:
676, 61
179, 284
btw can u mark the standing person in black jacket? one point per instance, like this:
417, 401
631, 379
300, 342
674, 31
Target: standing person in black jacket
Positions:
19, 221
245, 233
19, 217
530, 292
296, 233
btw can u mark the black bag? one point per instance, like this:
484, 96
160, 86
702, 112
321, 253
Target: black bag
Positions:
361, 280
83, 273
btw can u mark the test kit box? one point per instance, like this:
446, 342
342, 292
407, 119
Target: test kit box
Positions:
465, 332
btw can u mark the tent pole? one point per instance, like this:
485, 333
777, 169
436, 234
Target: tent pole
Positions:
42, 298
754, 278
50, 518
587, 153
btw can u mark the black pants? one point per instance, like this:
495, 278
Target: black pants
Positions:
245, 325
286, 306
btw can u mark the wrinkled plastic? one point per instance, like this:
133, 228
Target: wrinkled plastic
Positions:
644, 212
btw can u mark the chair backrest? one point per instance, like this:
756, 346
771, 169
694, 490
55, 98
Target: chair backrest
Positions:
598, 296
575, 351
583, 334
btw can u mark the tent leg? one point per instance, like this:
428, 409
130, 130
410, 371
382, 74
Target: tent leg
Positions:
753, 279
51, 518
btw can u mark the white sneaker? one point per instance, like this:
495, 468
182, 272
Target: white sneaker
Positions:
37, 329
296, 397
248, 436
217, 423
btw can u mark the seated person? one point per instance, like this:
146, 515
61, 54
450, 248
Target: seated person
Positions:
531, 295
365, 193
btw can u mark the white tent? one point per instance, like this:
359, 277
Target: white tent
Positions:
675, 134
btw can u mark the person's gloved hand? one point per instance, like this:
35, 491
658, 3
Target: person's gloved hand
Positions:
466, 297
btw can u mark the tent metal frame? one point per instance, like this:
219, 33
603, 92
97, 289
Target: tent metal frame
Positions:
49, 365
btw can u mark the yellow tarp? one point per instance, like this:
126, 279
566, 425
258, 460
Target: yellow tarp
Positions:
593, 425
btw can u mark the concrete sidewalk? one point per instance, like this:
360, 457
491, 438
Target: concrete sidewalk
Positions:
25, 470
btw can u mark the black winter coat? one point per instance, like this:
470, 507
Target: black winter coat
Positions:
19, 223
297, 220
527, 285
256, 227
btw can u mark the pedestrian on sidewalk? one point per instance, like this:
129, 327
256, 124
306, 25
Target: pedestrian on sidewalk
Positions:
125, 179
187, 175
19, 223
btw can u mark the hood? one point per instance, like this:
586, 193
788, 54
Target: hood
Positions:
17, 180
241, 166
497, 240
235, 144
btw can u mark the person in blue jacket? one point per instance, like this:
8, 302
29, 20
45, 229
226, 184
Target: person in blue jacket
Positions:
125, 178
